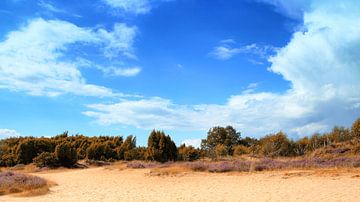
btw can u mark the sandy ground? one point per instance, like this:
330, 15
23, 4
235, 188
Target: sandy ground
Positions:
105, 184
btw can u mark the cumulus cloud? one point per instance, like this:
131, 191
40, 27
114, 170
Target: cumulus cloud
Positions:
34, 59
321, 63
5, 133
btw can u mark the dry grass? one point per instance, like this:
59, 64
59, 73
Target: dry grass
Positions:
172, 171
19, 183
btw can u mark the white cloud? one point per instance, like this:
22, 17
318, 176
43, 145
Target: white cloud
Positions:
192, 142
322, 65
5, 133
50, 7
130, 6
133, 6
225, 51
119, 41
127, 72
291, 8
34, 59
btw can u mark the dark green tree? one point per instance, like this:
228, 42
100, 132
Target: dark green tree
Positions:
160, 147
228, 137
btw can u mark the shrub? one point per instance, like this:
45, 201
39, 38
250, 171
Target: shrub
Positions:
8, 160
30, 148
221, 151
188, 153
66, 155
302, 146
241, 150
46, 159
355, 129
135, 154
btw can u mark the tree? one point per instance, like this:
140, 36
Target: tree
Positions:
276, 145
355, 129
160, 147
228, 137
127, 145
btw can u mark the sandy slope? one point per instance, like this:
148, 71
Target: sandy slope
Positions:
103, 184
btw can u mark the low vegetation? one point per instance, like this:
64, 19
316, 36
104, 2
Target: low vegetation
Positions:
339, 147
12, 182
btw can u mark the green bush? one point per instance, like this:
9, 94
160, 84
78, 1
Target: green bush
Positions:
46, 159
66, 155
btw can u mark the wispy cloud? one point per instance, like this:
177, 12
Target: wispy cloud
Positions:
321, 64
119, 71
291, 8
133, 6
33, 57
226, 50
49, 7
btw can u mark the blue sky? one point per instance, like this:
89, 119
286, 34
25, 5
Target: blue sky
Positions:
120, 67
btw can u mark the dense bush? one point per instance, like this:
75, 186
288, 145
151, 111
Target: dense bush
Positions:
160, 147
66, 155
188, 153
30, 148
46, 159
275, 145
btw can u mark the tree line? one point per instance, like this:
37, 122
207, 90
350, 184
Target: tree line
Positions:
65, 150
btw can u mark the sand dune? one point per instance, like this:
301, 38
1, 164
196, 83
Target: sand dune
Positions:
104, 184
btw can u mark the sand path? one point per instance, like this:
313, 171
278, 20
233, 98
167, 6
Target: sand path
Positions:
102, 184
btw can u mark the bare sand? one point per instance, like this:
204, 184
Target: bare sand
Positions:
114, 184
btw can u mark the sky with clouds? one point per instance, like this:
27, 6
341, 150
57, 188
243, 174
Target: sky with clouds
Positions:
120, 67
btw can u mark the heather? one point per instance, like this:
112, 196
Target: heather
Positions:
12, 182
